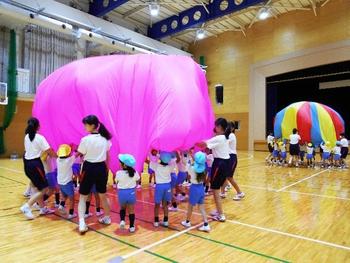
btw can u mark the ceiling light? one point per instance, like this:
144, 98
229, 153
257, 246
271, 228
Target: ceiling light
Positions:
264, 13
200, 34
154, 9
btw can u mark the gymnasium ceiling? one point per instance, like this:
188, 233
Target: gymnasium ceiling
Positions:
135, 13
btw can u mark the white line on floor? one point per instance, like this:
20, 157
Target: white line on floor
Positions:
159, 242
294, 192
302, 180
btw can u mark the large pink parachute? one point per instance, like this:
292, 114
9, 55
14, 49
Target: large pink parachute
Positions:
145, 101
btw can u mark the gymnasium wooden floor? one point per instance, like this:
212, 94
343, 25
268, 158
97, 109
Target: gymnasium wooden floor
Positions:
288, 215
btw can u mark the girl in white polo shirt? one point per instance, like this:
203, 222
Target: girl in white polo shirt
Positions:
126, 183
95, 151
35, 145
162, 192
221, 165
232, 142
344, 143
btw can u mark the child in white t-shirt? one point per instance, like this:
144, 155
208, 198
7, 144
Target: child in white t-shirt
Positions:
270, 142
326, 148
65, 179
337, 154
127, 179
283, 152
309, 154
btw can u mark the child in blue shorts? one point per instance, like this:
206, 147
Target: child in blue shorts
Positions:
51, 177
162, 193
196, 196
309, 154
126, 183
337, 154
65, 179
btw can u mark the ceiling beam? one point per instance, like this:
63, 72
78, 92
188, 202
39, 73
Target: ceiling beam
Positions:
215, 8
133, 11
97, 8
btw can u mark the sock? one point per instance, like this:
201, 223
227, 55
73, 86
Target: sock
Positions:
45, 197
132, 220
57, 198
174, 204
206, 188
98, 209
206, 224
122, 214
63, 203
71, 211
87, 207
166, 219
156, 219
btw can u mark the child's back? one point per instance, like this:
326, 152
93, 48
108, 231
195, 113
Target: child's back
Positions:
65, 170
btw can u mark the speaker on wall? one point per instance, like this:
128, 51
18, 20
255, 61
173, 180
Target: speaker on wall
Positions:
219, 93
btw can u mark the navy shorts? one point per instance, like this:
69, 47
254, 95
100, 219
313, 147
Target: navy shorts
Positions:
181, 177
173, 180
93, 174
52, 179
126, 196
233, 164
270, 148
294, 149
196, 195
150, 171
67, 189
220, 171
34, 170
344, 152
76, 168
162, 193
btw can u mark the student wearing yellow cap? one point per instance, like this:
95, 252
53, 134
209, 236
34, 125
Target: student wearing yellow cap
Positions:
309, 154
65, 163
326, 147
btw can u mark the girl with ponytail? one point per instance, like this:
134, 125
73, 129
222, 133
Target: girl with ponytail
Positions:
35, 146
221, 165
94, 148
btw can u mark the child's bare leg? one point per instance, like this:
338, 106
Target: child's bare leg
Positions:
189, 212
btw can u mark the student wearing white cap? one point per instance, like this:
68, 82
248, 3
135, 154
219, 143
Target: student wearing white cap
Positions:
127, 179
197, 173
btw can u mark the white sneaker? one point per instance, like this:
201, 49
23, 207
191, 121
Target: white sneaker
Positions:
114, 186
27, 194
106, 220
36, 207
62, 210
173, 209
222, 195
82, 227
156, 224
185, 224
214, 213
138, 186
122, 224
165, 223
238, 197
99, 213
71, 216
220, 218
46, 211
132, 229
27, 212
204, 228
87, 215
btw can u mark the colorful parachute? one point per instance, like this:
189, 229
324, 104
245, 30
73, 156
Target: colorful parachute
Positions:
315, 122
145, 101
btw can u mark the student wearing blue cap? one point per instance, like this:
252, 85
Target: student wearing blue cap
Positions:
162, 192
197, 173
126, 183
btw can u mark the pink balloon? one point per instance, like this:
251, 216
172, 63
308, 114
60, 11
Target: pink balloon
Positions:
145, 101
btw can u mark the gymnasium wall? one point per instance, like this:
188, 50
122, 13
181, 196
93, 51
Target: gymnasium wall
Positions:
229, 56
15, 133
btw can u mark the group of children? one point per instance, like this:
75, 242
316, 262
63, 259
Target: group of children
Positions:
169, 170
304, 154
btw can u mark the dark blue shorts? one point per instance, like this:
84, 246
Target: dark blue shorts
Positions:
67, 189
309, 156
34, 170
196, 195
181, 177
173, 180
162, 193
233, 164
126, 196
52, 179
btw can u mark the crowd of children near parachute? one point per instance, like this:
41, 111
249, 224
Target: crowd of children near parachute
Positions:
304, 154
210, 169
